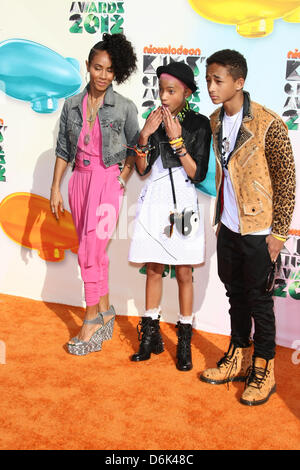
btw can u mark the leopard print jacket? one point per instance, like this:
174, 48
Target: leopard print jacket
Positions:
281, 165
262, 170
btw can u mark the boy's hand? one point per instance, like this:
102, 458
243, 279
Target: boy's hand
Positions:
274, 247
172, 126
218, 229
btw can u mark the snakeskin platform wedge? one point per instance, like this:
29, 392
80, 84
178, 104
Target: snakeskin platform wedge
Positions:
81, 348
105, 332
108, 327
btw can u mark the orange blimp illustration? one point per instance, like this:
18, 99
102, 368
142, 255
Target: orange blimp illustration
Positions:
253, 18
27, 219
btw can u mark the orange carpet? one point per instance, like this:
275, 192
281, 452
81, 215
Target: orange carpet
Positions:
52, 400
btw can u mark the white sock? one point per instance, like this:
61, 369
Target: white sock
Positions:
186, 320
154, 313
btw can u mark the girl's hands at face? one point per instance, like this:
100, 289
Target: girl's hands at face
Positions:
153, 122
172, 126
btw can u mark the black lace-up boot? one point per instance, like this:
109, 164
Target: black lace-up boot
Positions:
184, 354
150, 338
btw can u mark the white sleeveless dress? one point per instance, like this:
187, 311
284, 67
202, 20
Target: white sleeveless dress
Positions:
151, 241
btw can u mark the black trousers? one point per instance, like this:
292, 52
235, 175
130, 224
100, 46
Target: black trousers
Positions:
243, 266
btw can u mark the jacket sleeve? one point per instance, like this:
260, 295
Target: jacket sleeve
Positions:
62, 144
279, 155
131, 129
200, 152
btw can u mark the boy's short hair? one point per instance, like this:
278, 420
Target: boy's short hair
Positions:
234, 61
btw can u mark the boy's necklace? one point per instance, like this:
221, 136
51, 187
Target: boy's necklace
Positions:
226, 139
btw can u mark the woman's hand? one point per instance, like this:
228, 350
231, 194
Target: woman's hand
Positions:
56, 202
172, 126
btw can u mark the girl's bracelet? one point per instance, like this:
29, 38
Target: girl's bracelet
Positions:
140, 150
177, 145
175, 140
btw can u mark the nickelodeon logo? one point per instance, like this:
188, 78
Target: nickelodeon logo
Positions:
293, 55
291, 108
172, 50
156, 56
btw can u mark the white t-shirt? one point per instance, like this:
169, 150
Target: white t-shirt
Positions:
230, 217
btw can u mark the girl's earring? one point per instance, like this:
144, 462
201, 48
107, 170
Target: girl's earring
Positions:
87, 76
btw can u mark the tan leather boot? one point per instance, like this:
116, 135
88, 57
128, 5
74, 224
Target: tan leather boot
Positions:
260, 384
232, 367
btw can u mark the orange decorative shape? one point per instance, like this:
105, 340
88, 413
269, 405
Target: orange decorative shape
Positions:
27, 219
294, 232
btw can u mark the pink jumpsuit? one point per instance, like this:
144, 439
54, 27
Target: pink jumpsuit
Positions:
95, 197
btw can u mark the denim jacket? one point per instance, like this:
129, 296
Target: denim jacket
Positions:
118, 122
196, 133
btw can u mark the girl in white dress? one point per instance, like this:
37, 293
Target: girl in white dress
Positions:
174, 144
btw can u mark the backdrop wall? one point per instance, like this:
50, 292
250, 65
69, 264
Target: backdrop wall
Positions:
38, 257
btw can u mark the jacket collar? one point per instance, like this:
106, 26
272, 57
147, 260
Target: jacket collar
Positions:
109, 98
247, 109
243, 135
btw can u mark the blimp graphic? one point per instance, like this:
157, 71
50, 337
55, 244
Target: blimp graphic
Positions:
253, 18
32, 72
27, 220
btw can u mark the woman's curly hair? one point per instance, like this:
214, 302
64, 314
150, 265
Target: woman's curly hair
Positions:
121, 53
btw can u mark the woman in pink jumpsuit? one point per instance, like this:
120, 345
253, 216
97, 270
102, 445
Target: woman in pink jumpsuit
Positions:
102, 186
96, 128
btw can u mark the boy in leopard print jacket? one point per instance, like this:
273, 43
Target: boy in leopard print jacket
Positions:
255, 181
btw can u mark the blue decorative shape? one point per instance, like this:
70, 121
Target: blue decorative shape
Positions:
208, 186
32, 72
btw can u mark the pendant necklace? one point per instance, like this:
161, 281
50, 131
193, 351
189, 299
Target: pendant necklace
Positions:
226, 140
91, 119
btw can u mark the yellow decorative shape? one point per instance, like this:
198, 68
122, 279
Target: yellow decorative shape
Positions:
253, 18
27, 219
293, 17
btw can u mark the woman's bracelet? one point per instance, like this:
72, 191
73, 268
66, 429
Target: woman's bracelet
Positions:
121, 181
